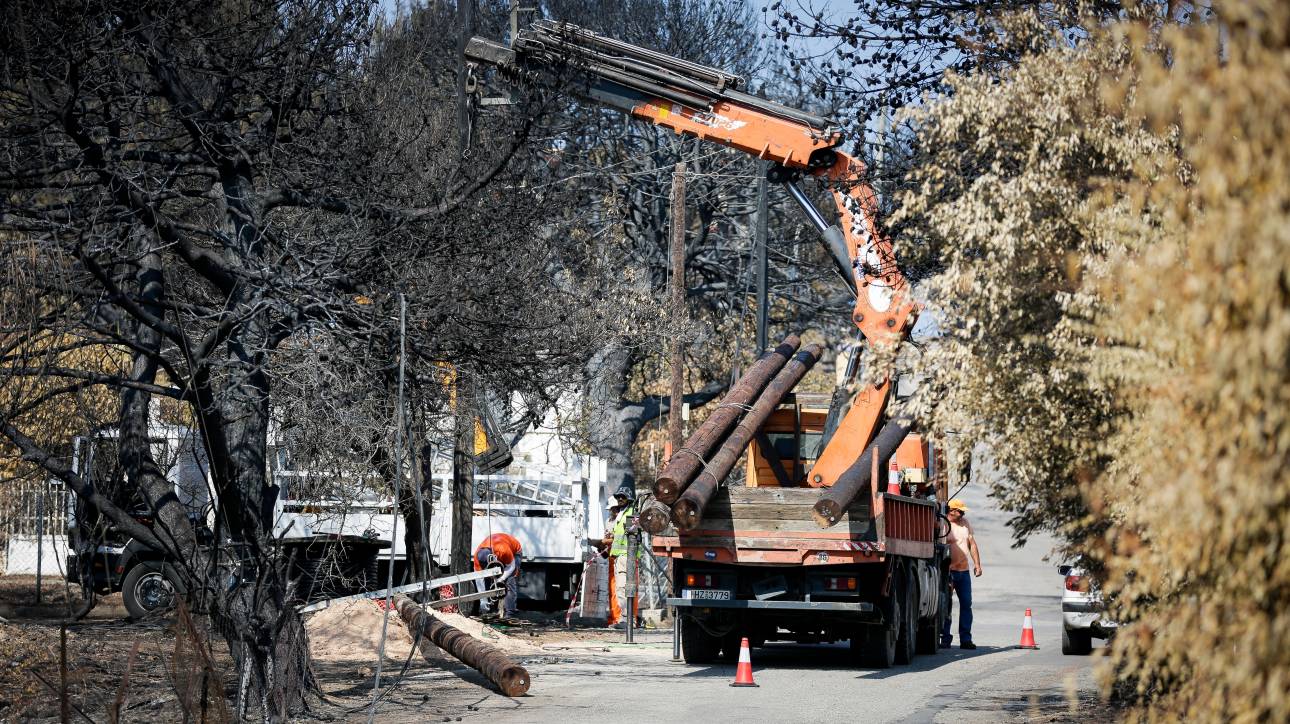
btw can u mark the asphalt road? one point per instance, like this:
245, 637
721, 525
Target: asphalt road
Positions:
611, 681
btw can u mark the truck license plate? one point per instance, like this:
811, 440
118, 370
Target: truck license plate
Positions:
704, 593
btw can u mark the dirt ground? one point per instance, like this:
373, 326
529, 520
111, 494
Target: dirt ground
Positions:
344, 643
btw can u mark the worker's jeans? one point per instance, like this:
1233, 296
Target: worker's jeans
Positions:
511, 602
962, 581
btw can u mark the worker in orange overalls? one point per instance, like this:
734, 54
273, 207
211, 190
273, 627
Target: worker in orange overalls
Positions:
615, 611
500, 550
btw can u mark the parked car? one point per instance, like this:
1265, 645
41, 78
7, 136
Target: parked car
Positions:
1083, 612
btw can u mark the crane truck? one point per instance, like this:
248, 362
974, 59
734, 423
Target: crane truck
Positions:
813, 546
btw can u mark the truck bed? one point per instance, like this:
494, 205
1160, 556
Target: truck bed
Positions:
775, 526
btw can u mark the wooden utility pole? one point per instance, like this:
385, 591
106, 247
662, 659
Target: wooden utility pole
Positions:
759, 240
465, 15
674, 432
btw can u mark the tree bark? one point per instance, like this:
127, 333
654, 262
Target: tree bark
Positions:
416, 506
463, 476
613, 428
137, 461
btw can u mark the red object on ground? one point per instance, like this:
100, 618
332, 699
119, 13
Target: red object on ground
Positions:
743, 675
448, 591
1028, 633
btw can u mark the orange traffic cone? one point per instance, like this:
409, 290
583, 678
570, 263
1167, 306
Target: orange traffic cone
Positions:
743, 675
1028, 633
893, 478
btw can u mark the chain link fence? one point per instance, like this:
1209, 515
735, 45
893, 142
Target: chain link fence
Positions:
33, 539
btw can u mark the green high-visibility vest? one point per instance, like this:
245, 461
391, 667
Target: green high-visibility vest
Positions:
619, 547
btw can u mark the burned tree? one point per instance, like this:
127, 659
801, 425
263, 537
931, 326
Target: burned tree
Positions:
224, 201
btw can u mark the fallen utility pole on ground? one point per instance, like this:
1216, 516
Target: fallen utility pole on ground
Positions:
509, 677
688, 510
686, 461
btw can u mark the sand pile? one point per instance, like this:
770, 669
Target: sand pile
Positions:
484, 632
352, 632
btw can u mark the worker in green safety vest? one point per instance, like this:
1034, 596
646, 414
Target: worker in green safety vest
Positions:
625, 496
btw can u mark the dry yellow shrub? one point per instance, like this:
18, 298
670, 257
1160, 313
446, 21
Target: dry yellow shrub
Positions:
1116, 307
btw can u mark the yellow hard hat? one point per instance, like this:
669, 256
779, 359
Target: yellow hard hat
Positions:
957, 504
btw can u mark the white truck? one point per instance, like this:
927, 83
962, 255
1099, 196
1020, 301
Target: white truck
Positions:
333, 543
345, 541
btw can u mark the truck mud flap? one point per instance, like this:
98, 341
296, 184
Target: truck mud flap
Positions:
856, 607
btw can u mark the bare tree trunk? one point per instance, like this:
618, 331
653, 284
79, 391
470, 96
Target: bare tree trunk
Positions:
612, 432
463, 476
142, 471
258, 617
415, 506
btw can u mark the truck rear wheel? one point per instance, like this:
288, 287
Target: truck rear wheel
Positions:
697, 645
874, 646
906, 620
928, 628
928, 632
730, 644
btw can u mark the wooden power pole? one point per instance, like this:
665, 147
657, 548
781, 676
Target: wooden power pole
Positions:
678, 306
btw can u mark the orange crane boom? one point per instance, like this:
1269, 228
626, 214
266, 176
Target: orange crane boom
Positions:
708, 103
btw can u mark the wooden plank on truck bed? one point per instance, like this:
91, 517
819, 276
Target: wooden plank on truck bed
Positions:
740, 494
767, 543
739, 503
777, 510
772, 511
846, 528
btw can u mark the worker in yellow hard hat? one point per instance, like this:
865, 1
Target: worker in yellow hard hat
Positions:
962, 543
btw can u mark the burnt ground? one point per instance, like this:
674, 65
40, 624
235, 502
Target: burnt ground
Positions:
98, 650
159, 686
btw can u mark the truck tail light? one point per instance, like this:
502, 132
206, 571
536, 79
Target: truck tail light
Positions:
699, 580
1075, 583
841, 583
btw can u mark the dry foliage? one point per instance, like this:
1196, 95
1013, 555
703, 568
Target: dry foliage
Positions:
1116, 314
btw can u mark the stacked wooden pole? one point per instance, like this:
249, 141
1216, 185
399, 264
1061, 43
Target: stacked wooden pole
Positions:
692, 476
688, 509
856, 479
685, 462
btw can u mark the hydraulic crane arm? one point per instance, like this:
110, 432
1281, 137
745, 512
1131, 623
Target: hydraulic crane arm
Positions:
708, 103
685, 97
